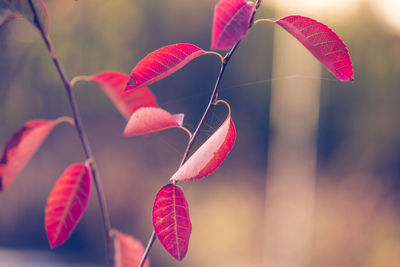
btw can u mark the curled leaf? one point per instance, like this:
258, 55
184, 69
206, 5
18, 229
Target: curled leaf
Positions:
67, 203
6, 15
161, 63
22, 146
210, 155
23, 7
171, 220
231, 22
149, 120
113, 84
322, 42
128, 251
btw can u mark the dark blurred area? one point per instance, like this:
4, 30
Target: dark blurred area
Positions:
358, 143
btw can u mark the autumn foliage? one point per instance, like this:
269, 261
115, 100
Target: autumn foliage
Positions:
136, 102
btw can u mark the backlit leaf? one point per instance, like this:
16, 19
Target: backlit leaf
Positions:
6, 15
322, 42
210, 155
149, 120
23, 7
67, 203
113, 84
128, 251
171, 220
231, 22
22, 146
161, 63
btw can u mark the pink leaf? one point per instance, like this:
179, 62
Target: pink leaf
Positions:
113, 84
128, 250
231, 22
149, 120
171, 220
67, 203
6, 15
22, 145
23, 7
210, 155
322, 42
161, 63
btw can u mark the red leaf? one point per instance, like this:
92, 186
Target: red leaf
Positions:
149, 120
171, 220
6, 15
161, 63
210, 155
23, 7
231, 22
322, 42
128, 250
22, 146
66, 204
113, 84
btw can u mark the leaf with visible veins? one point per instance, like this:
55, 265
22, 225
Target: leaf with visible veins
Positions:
322, 42
162, 63
67, 203
171, 220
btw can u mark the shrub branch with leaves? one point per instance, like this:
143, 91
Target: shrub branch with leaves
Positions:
69, 198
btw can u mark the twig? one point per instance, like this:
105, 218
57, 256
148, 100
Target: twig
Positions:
82, 135
211, 104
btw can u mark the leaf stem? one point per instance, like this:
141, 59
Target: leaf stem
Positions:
82, 135
263, 20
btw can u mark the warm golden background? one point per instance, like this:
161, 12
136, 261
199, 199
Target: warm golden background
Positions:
352, 147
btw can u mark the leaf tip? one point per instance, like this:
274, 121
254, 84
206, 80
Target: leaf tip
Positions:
131, 84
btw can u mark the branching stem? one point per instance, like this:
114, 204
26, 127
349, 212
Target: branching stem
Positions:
211, 103
82, 135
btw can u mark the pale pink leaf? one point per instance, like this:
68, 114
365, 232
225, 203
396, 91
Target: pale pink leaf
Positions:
322, 42
210, 155
128, 251
113, 84
149, 120
171, 220
22, 145
231, 22
161, 63
67, 203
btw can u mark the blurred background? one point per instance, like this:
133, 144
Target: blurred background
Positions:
314, 176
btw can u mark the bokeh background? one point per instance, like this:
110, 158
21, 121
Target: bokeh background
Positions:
352, 144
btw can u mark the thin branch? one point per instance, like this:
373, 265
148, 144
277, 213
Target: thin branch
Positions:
82, 135
211, 104
148, 248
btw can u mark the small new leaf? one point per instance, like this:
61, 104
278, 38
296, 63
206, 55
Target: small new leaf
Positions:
67, 203
171, 220
149, 120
